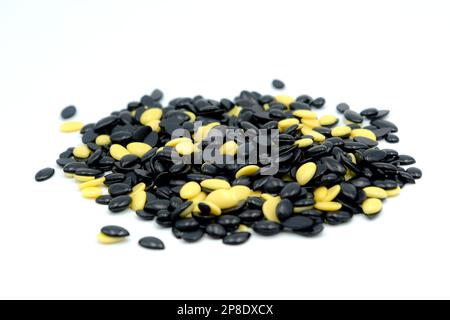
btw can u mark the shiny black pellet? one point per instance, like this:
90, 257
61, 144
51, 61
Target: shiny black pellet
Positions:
267, 228
318, 103
119, 189
278, 84
187, 225
392, 138
151, 243
119, 204
313, 231
290, 190
216, 231
229, 222
284, 209
405, 160
237, 238
369, 112
416, 173
384, 124
115, 232
338, 217
342, 107
374, 155
353, 116
144, 215
68, 112
193, 236
368, 142
251, 215
44, 174
298, 223
104, 200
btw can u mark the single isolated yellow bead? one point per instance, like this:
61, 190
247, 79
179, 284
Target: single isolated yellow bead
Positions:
375, 192
93, 183
104, 239
247, 171
341, 131
320, 194
306, 172
328, 206
372, 206
71, 126
82, 152
270, 209
103, 140
224, 199
215, 184
363, 133
151, 115
305, 114
332, 193
138, 200
190, 190
91, 192
328, 120
139, 149
118, 152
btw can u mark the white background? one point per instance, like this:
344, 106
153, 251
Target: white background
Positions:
99, 55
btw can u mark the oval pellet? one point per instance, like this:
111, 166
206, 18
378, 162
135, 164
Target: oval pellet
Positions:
138, 200
247, 171
215, 184
306, 172
209, 207
283, 99
82, 152
71, 126
320, 194
286, 123
92, 192
241, 192
224, 199
372, 206
341, 131
177, 141
151, 243
304, 143
115, 232
328, 120
237, 238
44, 174
190, 190
270, 209
328, 206
332, 193
104, 239
375, 192
103, 140
363, 133
93, 183
151, 115
118, 152
305, 114
138, 148
393, 192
